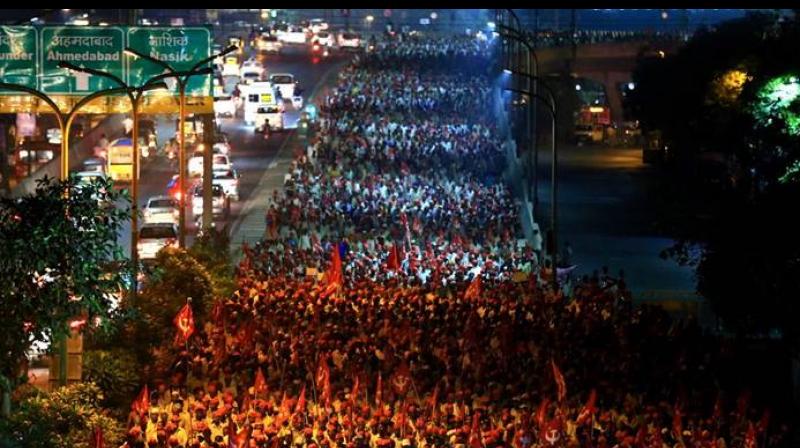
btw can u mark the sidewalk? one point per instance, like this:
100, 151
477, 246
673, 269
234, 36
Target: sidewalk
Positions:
249, 227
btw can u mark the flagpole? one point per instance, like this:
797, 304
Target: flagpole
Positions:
186, 346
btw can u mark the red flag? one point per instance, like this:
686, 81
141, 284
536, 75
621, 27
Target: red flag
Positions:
393, 264
379, 392
541, 413
552, 433
184, 321
434, 400
750, 437
335, 277
562, 385
474, 289
260, 385
677, 423
301, 402
240, 439
354, 392
324, 379
98, 440
588, 410
475, 439
402, 379
142, 402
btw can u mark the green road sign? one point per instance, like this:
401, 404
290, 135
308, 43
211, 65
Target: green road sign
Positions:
18, 50
99, 48
181, 48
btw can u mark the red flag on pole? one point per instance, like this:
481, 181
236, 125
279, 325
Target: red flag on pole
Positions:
142, 402
301, 402
335, 276
393, 264
588, 409
354, 392
677, 423
434, 400
260, 385
474, 289
184, 321
541, 413
562, 385
98, 440
475, 438
402, 379
324, 379
750, 437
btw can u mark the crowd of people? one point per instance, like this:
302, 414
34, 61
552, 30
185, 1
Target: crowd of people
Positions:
393, 302
549, 38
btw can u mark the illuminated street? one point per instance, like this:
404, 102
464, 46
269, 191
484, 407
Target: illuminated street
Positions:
399, 228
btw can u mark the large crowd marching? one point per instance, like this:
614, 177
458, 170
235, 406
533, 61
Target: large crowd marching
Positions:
393, 302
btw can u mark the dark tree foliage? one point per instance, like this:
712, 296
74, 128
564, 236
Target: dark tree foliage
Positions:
55, 246
721, 191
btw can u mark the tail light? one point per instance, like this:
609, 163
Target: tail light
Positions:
316, 47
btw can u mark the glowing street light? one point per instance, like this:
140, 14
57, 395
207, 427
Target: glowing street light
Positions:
434, 16
369, 19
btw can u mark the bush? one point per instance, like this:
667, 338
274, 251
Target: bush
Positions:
65, 418
116, 373
212, 250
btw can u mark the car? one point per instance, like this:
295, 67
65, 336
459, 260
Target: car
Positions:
292, 35
229, 181
161, 209
284, 83
349, 40
324, 38
95, 164
221, 143
269, 44
251, 71
195, 164
154, 237
317, 25
220, 203
225, 106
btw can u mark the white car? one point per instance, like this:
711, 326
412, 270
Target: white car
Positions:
324, 38
219, 162
154, 237
229, 181
318, 25
292, 35
220, 203
283, 82
349, 41
161, 209
225, 106
269, 44
251, 71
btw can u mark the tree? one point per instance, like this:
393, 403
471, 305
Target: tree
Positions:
54, 245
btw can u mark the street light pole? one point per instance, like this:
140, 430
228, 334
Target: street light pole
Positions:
134, 95
533, 117
183, 79
551, 107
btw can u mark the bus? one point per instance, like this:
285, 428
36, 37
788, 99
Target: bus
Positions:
120, 160
257, 95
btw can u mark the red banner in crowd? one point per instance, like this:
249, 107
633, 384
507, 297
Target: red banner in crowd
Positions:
184, 321
560, 383
142, 402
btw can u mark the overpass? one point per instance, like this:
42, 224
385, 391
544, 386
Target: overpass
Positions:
609, 63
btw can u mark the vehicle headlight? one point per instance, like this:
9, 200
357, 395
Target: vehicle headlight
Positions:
23, 154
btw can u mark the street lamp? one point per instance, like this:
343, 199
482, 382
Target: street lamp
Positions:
551, 104
532, 115
134, 94
183, 79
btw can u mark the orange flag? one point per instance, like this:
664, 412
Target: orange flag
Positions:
301, 402
260, 385
562, 385
335, 276
474, 289
142, 402
184, 320
393, 263
588, 409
